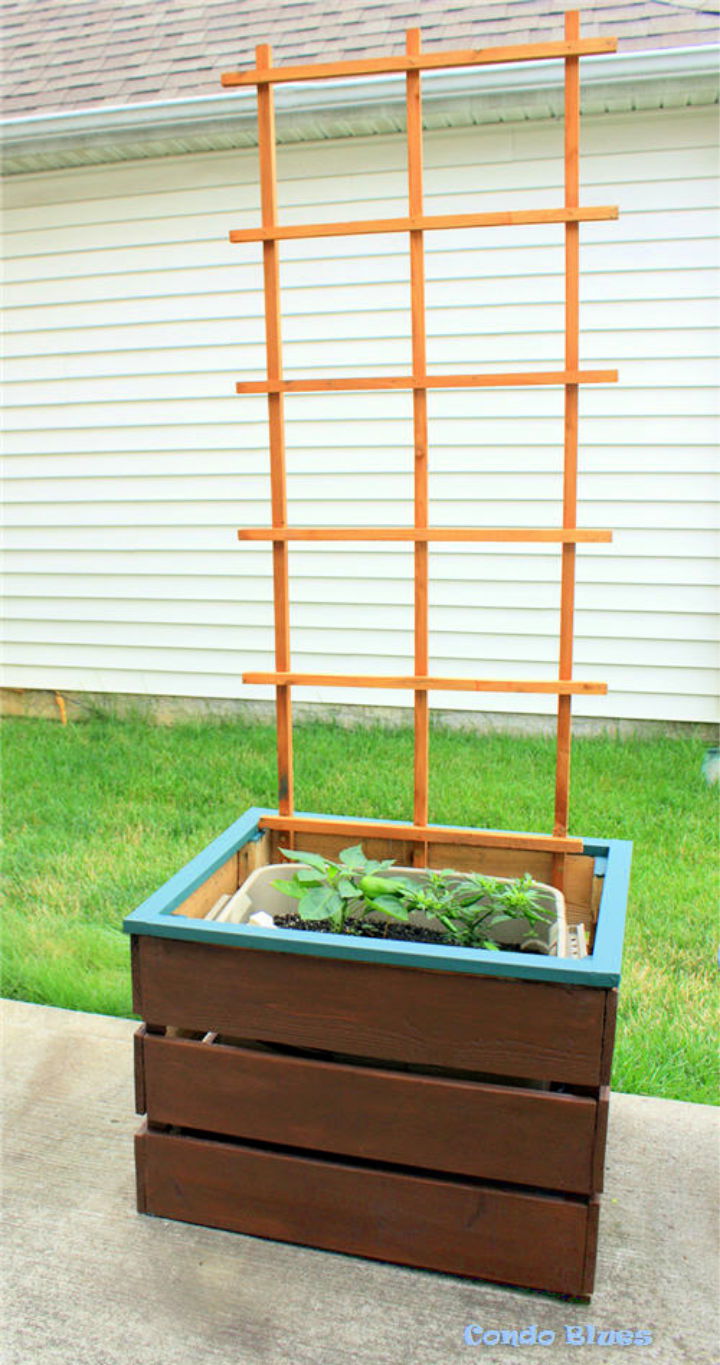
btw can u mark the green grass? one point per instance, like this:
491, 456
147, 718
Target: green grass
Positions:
99, 814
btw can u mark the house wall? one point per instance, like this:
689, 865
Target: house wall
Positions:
131, 462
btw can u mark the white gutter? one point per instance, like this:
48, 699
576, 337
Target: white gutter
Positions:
686, 65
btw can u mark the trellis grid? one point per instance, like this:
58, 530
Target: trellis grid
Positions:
422, 534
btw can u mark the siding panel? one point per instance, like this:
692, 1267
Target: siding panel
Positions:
131, 463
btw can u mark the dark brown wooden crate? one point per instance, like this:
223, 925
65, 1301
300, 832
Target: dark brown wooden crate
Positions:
505, 1133
460, 1227
527, 1029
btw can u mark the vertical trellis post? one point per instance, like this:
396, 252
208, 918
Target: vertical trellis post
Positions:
570, 461
276, 423
420, 432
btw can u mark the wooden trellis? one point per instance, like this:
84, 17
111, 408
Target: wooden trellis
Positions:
422, 534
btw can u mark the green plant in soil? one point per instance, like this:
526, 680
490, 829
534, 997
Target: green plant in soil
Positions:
466, 908
326, 890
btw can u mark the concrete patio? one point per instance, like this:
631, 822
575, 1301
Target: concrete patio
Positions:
90, 1282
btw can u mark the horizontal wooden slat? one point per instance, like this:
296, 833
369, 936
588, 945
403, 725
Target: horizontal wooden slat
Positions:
428, 61
481, 838
424, 222
530, 535
460, 1227
529, 1137
560, 687
493, 1025
365, 383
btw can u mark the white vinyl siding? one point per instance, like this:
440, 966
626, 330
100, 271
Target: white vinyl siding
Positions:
131, 462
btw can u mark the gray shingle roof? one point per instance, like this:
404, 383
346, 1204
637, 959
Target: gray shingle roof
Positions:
73, 54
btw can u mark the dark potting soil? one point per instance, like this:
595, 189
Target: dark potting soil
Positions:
365, 929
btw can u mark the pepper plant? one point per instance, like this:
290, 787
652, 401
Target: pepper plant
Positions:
465, 907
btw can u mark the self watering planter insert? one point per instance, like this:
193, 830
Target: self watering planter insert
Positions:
416, 1072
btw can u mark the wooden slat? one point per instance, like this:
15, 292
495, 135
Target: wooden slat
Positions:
425, 223
428, 61
361, 384
276, 422
224, 881
591, 1235
424, 684
139, 1068
420, 437
460, 1227
531, 535
570, 463
529, 1137
602, 1112
471, 837
494, 1025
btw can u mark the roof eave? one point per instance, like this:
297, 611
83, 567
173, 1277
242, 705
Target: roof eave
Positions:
672, 77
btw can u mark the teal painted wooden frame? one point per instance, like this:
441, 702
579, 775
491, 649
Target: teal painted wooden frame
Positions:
602, 968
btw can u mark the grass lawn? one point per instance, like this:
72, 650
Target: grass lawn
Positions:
98, 814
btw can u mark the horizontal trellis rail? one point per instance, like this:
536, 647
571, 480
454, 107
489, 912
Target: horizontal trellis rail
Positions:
531, 535
429, 61
422, 834
290, 232
526, 379
411, 682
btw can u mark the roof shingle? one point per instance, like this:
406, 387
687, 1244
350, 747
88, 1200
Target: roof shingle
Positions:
70, 54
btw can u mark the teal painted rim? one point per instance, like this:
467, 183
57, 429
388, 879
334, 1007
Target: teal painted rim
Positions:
602, 968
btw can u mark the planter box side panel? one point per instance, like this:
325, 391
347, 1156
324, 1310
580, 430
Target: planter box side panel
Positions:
464, 1128
459, 1227
496, 1025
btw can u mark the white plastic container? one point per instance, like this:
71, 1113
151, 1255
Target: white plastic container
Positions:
257, 894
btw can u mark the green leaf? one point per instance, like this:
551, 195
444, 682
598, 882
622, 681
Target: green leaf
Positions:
290, 886
312, 859
308, 874
320, 903
346, 889
353, 857
390, 905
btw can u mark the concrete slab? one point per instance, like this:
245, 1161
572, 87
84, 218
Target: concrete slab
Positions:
91, 1282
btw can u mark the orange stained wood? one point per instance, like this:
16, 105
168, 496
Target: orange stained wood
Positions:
412, 682
420, 431
479, 838
525, 379
423, 223
570, 464
531, 535
428, 61
418, 382
276, 425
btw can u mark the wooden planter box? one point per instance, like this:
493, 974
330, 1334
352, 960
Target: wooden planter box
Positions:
438, 1107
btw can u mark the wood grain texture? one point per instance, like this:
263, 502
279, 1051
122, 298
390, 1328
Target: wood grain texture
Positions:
139, 1068
608, 1043
492, 1132
570, 454
424, 222
493, 1025
421, 706
591, 1242
602, 1113
225, 881
429, 61
276, 426
460, 1227
520, 535
420, 683
471, 838
368, 383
